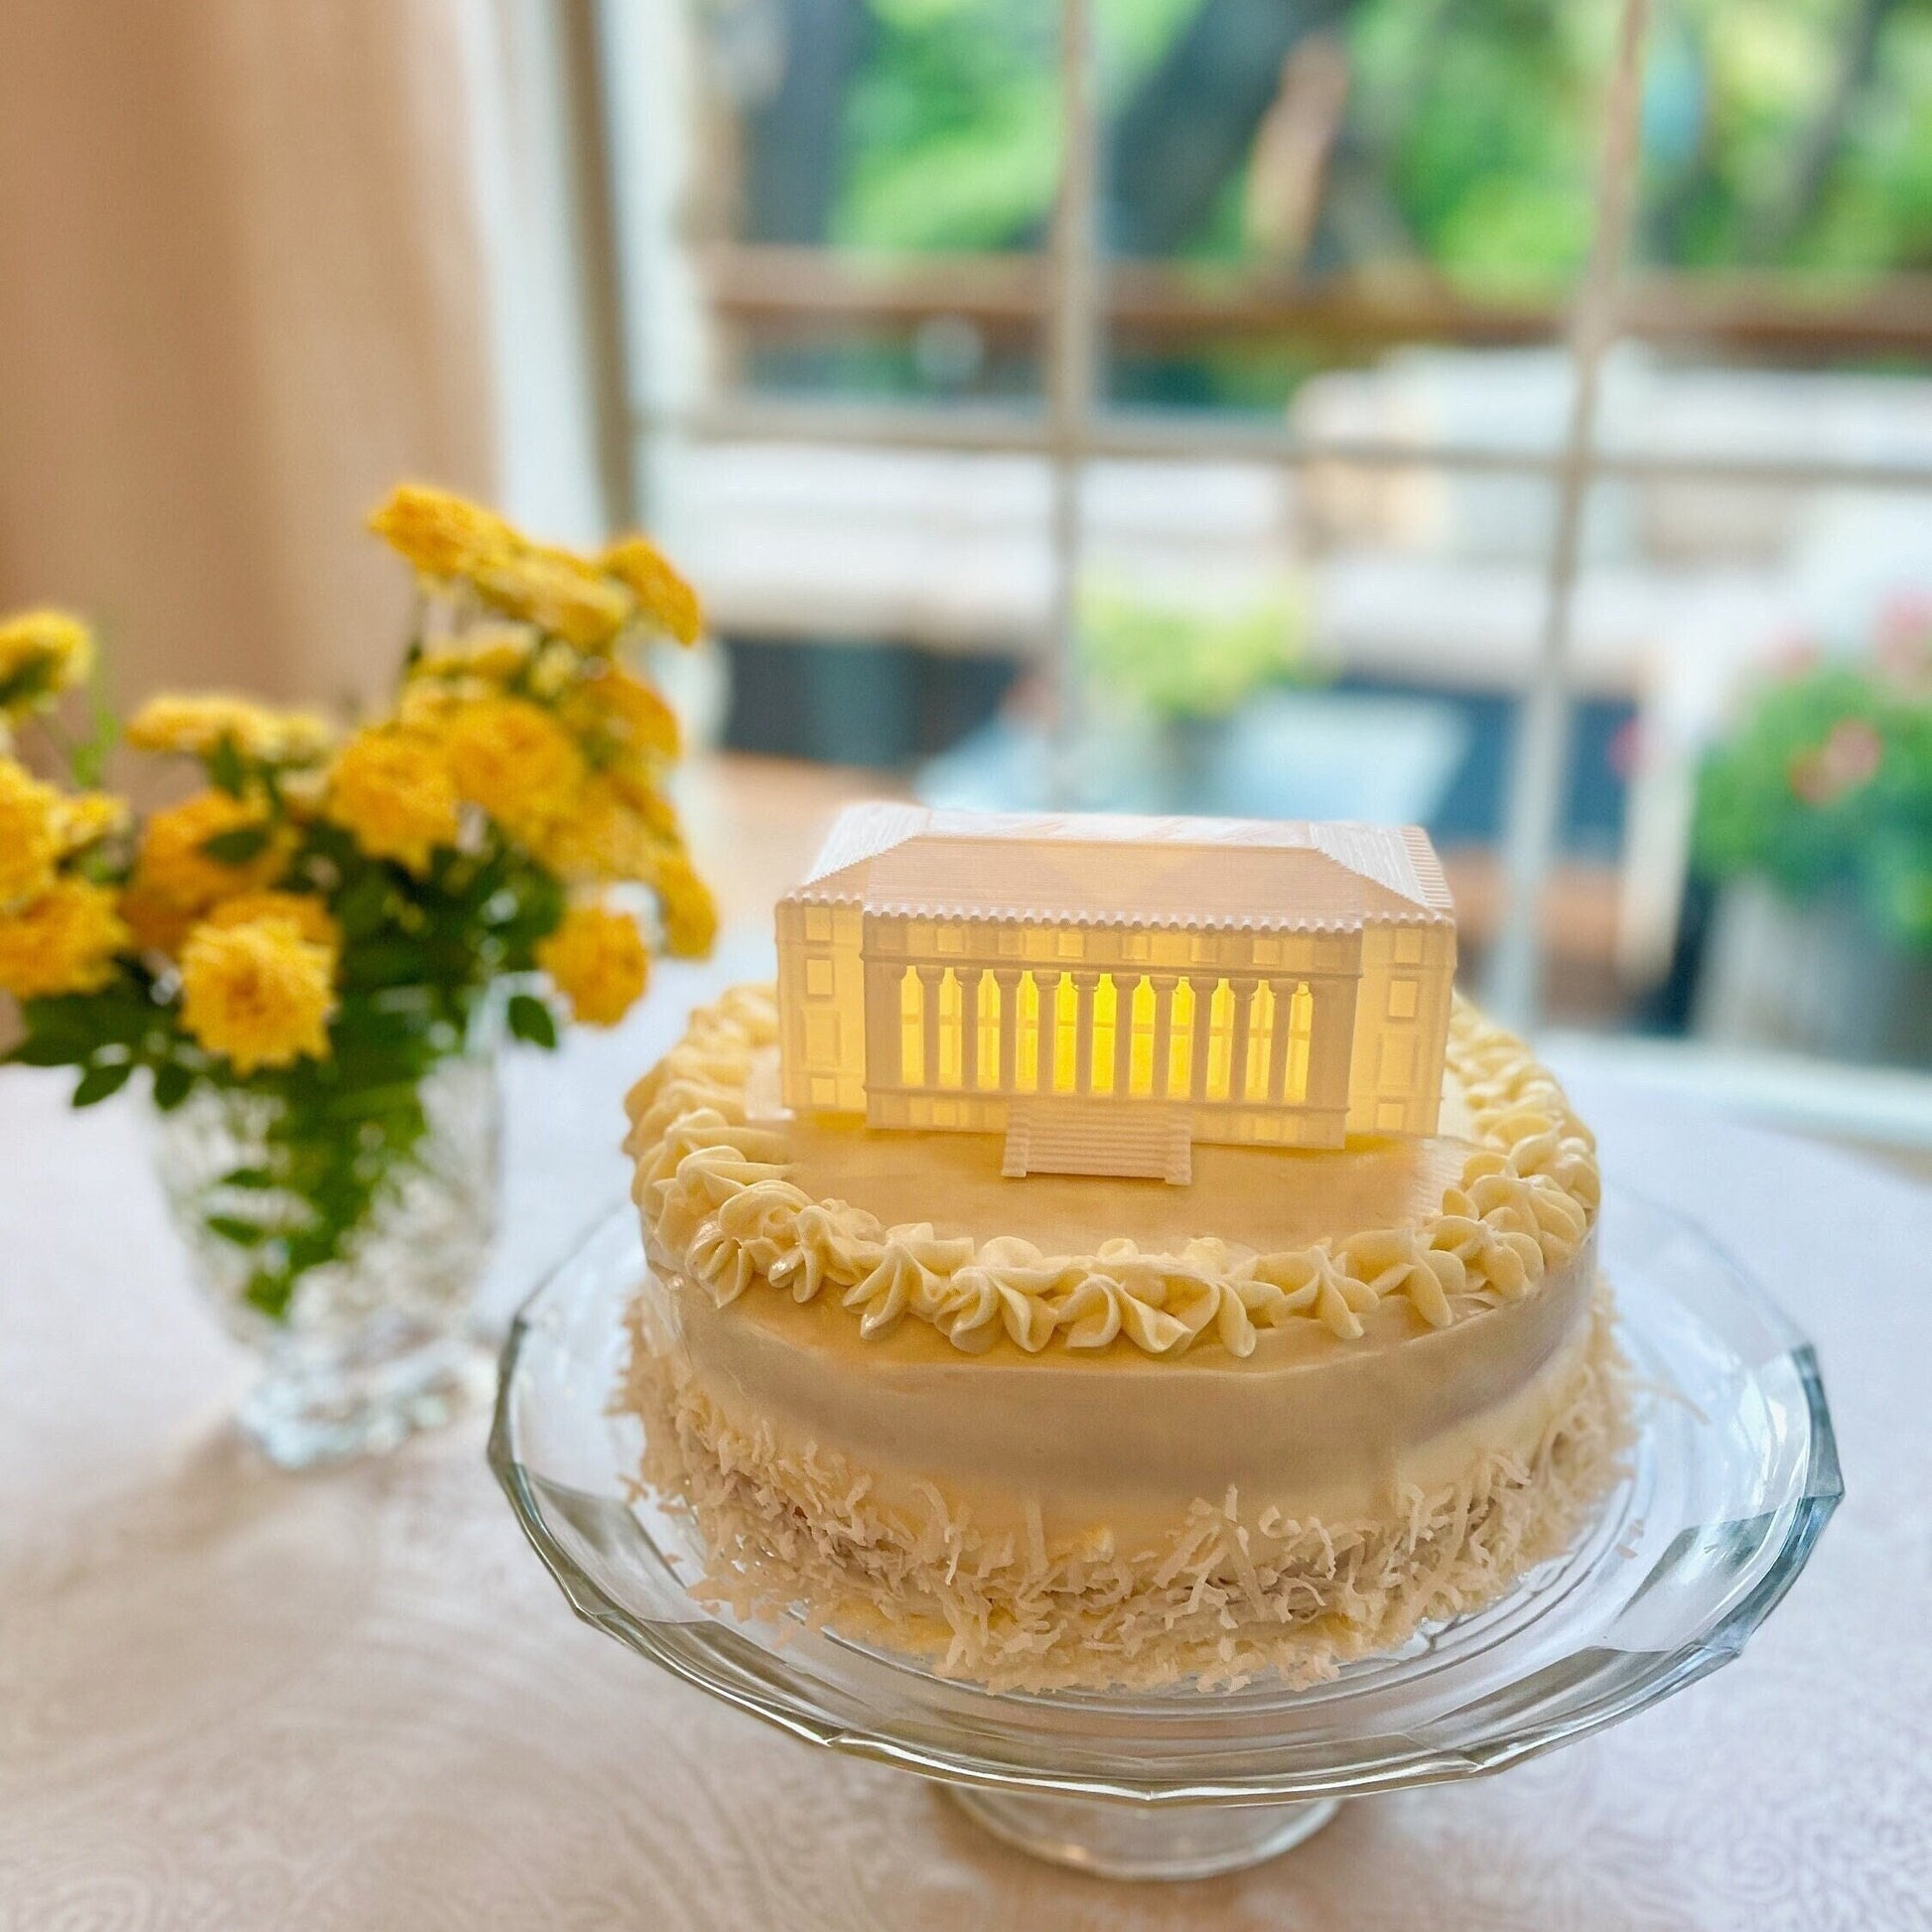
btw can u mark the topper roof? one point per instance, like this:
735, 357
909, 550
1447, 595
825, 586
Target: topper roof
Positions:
1104, 869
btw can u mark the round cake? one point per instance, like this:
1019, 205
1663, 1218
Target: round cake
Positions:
1068, 1430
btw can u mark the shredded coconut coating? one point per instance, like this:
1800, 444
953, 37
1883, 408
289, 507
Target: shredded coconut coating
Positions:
716, 1196
1226, 1598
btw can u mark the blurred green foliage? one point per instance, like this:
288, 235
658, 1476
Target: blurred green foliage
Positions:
1786, 133
1179, 660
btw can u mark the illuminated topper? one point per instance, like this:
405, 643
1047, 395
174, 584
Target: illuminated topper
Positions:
1104, 991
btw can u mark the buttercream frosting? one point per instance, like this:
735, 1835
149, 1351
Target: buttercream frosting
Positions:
717, 1192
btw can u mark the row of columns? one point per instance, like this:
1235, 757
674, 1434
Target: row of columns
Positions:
1046, 983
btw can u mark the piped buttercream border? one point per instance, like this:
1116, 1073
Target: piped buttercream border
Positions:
715, 1193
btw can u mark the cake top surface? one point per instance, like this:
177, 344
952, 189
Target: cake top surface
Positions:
737, 1194
1293, 875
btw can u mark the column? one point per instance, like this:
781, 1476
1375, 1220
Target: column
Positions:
1083, 990
969, 978
1331, 1041
1282, 993
1125, 991
1048, 986
932, 980
1005, 980
1164, 986
1203, 992
884, 1066
1244, 1000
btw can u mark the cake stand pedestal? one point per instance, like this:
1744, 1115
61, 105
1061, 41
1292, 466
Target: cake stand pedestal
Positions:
1113, 1840
1731, 1479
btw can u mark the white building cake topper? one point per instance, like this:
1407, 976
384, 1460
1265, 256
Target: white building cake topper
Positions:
1105, 990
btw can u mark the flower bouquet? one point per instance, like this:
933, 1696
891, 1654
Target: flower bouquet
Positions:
313, 954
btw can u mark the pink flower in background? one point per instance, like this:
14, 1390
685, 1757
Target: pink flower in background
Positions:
1901, 653
1848, 757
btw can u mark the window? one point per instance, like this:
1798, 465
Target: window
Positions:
1403, 999
971, 337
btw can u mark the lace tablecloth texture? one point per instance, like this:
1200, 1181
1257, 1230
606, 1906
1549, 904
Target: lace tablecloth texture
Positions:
231, 1699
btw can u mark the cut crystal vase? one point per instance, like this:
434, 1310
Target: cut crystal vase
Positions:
376, 1343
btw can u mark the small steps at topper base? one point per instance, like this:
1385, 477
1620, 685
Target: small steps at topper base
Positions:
1081, 1136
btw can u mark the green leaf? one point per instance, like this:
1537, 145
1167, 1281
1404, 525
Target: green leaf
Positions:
52, 1049
236, 846
531, 1019
99, 1082
230, 1227
271, 1293
227, 772
172, 1082
363, 907
251, 1177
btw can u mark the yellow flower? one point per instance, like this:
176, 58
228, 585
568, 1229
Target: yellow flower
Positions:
663, 597
86, 818
497, 653
64, 942
441, 534
637, 791
626, 711
197, 725
598, 962
601, 837
258, 994
29, 837
303, 910
392, 792
157, 924
689, 912
557, 593
514, 759
427, 706
171, 860
41, 653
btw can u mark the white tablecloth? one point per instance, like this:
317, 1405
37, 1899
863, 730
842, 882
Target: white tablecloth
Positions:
236, 1699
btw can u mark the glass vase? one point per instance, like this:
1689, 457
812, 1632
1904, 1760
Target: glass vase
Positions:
374, 1344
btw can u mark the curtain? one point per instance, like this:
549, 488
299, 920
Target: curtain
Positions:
243, 289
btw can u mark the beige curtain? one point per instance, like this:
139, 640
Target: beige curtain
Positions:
241, 290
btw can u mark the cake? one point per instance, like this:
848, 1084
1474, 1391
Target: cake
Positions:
1112, 1255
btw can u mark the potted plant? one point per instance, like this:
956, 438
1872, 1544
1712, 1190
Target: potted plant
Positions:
1814, 815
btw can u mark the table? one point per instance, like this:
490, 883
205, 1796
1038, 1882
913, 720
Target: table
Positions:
231, 1699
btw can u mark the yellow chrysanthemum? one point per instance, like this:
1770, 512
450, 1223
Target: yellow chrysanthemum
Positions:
195, 725
65, 941
557, 593
663, 597
303, 910
87, 818
514, 759
441, 533
639, 792
171, 863
41, 653
29, 839
600, 838
258, 994
392, 792
689, 912
598, 962
157, 924
497, 653
626, 712
427, 707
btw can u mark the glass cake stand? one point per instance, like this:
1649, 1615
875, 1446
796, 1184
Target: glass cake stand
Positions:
1732, 1479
